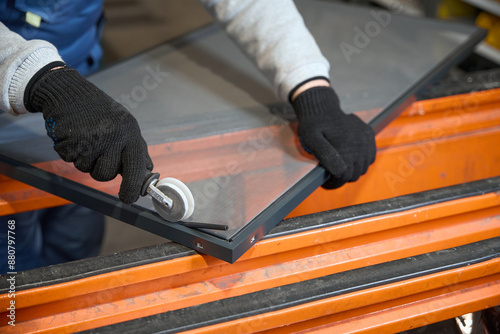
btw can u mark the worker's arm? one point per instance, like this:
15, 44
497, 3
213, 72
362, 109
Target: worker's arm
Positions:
20, 60
274, 36
87, 127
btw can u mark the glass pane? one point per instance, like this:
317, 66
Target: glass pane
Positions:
212, 120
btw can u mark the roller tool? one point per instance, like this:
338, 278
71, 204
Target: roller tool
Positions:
173, 200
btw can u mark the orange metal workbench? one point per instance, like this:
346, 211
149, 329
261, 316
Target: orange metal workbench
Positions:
413, 242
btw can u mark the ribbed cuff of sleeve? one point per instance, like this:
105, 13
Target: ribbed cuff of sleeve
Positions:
28, 68
301, 74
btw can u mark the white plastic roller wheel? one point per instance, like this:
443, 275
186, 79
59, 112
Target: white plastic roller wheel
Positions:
182, 198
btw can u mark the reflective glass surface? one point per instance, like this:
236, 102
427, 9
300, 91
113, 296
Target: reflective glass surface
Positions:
212, 120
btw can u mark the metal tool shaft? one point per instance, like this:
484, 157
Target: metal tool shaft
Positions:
158, 195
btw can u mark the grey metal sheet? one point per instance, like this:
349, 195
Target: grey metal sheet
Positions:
212, 120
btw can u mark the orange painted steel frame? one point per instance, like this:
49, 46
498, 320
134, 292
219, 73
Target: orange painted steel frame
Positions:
433, 144
195, 279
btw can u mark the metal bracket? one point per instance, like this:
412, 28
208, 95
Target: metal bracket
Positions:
157, 195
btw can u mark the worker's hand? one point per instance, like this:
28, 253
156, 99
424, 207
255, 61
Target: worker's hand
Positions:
343, 144
90, 129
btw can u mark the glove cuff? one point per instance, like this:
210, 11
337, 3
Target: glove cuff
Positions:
317, 102
304, 82
58, 87
35, 79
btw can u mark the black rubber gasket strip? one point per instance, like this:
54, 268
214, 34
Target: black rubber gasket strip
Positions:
71, 271
287, 296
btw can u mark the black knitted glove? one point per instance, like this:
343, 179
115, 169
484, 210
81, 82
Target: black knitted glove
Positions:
90, 129
343, 144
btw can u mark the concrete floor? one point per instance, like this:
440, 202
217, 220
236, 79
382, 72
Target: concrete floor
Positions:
133, 26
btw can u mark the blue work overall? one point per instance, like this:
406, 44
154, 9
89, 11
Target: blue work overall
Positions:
70, 232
